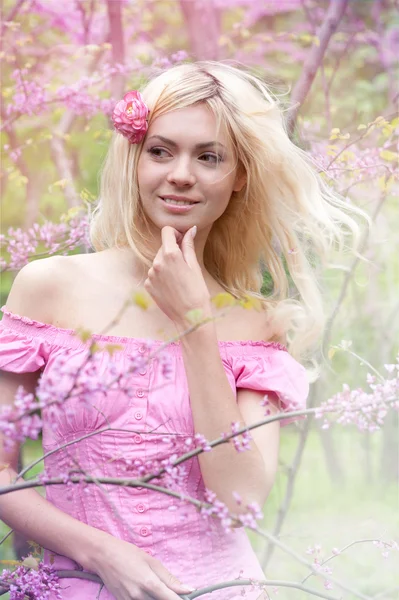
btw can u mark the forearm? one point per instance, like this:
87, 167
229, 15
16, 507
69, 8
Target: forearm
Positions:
40, 521
214, 409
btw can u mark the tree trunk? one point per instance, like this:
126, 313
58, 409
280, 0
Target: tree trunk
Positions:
203, 22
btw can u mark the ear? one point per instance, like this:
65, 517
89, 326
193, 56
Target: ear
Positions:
240, 180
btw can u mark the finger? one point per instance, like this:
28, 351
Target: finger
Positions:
172, 583
170, 237
188, 247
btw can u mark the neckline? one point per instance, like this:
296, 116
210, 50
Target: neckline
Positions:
113, 339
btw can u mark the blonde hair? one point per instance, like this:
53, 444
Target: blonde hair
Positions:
285, 218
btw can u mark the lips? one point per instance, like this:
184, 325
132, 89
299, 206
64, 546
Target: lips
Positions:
178, 208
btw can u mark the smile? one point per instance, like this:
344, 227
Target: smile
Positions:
178, 206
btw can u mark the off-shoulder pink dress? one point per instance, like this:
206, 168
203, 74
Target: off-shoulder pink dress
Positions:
196, 549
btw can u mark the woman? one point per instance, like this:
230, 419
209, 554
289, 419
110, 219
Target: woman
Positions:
201, 186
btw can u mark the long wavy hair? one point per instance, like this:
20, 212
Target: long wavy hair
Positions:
285, 220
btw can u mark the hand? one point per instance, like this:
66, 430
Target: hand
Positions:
175, 280
131, 574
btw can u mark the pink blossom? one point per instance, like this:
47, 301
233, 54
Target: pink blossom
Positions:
23, 582
130, 117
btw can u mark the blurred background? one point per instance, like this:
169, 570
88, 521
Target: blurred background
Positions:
334, 64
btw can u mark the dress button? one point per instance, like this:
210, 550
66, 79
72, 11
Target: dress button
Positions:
139, 488
140, 393
149, 551
138, 415
137, 439
141, 507
142, 349
144, 531
143, 371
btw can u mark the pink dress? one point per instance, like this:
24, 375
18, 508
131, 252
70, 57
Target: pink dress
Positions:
195, 548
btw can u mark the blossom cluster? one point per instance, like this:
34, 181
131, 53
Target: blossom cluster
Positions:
241, 442
20, 421
365, 410
41, 583
21, 246
219, 509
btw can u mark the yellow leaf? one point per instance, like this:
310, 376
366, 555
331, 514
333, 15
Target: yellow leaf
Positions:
6, 92
60, 183
13, 175
389, 156
382, 183
251, 302
385, 184
335, 131
31, 563
195, 315
84, 334
95, 348
331, 352
111, 348
395, 122
142, 299
361, 126
86, 195
223, 299
22, 180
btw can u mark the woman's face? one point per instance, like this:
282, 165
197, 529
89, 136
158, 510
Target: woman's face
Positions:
183, 160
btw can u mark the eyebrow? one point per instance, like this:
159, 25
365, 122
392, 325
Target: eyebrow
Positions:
200, 146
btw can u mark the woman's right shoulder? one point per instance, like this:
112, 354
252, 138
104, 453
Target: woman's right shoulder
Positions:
39, 285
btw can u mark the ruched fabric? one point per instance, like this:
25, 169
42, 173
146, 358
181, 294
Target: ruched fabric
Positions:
131, 413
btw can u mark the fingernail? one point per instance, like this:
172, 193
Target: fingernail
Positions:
187, 588
193, 231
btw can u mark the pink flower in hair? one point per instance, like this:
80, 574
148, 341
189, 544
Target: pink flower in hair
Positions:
130, 117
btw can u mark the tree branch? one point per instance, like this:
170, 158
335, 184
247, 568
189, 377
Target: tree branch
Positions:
334, 15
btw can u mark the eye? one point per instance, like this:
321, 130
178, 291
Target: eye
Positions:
211, 158
157, 152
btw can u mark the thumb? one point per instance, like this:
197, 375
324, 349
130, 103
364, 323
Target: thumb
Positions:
187, 247
170, 580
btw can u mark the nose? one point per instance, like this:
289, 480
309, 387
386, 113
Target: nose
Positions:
181, 173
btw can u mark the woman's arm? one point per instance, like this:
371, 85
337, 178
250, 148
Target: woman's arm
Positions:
176, 283
27, 511
214, 407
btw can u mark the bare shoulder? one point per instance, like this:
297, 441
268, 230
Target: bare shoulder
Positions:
253, 323
39, 285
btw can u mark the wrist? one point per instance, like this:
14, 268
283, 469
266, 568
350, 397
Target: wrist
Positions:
93, 552
204, 333
195, 319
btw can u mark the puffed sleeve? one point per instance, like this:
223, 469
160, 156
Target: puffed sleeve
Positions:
270, 368
23, 348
